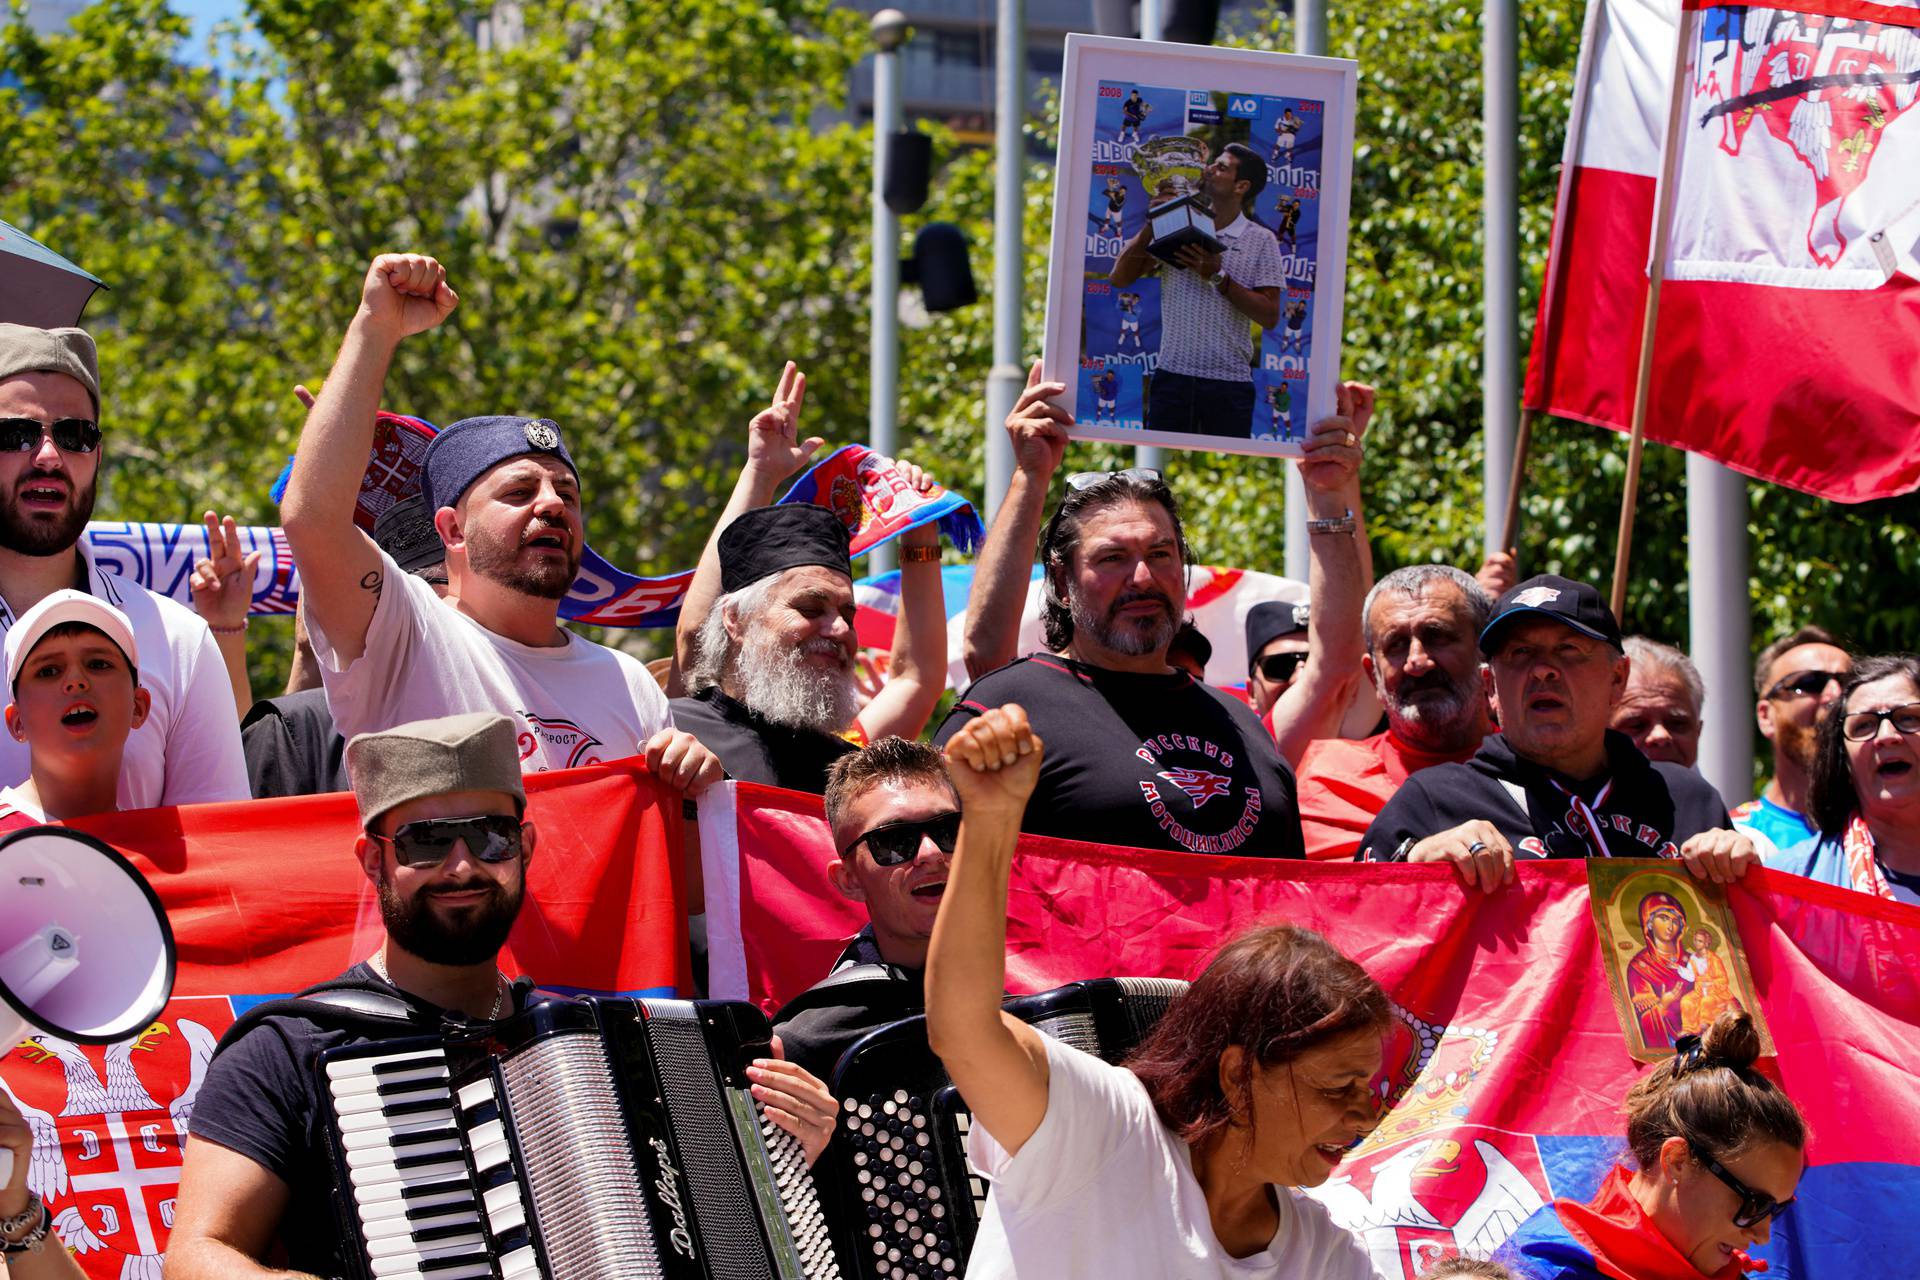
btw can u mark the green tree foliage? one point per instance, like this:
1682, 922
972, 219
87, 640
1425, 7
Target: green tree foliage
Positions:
642, 225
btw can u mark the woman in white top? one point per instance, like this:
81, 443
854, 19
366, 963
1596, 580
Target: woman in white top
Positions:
1187, 1163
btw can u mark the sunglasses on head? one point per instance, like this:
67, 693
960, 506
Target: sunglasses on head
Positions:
1803, 684
1278, 667
70, 435
1754, 1205
897, 842
1088, 479
490, 837
1858, 726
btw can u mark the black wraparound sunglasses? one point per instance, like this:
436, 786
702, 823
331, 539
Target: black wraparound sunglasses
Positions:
70, 435
1279, 667
1754, 1205
490, 837
896, 842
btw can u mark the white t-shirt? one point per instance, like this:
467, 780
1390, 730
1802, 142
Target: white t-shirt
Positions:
576, 703
18, 811
188, 751
1102, 1188
1202, 335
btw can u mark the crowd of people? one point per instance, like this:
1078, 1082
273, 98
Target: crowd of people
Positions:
1434, 715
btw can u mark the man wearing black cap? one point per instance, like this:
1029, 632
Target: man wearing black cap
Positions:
505, 500
1556, 782
773, 677
1276, 651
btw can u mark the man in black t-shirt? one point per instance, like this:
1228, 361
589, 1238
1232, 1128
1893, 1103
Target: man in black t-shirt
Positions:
1556, 782
894, 817
445, 843
1140, 754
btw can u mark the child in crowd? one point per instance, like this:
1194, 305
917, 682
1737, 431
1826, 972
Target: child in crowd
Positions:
75, 677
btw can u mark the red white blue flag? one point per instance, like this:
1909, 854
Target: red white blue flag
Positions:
1790, 303
1508, 1060
266, 898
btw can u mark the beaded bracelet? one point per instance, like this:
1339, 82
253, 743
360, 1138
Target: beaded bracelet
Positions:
30, 1242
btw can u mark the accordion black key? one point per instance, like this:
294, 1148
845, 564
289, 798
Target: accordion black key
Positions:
905, 1201
578, 1140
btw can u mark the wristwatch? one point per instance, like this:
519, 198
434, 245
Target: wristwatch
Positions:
1336, 524
1218, 279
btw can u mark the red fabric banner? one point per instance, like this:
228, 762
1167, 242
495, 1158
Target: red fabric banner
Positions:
1508, 1062
266, 898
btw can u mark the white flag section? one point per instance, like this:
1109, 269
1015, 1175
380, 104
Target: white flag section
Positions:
1789, 311
1800, 152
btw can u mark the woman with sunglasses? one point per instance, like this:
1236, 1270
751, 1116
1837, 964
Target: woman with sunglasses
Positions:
1717, 1150
1866, 785
1188, 1161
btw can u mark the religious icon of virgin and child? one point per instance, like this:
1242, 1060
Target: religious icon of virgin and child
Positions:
1676, 982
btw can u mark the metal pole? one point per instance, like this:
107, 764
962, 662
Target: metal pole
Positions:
889, 33
1007, 377
1500, 214
1720, 622
1309, 36
1153, 25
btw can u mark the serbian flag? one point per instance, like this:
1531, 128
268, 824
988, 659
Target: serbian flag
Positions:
266, 898
1790, 305
1507, 1061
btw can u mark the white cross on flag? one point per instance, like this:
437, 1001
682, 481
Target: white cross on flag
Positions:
1789, 317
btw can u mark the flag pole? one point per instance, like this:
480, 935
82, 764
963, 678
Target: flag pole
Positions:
1656, 269
1509, 524
1550, 286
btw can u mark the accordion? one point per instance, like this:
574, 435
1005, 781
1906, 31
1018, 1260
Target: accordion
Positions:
580, 1139
905, 1201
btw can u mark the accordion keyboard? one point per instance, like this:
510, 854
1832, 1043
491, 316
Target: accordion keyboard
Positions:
407, 1170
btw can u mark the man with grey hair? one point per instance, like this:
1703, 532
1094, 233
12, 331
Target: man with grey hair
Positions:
1421, 626
1660, 710
187, 751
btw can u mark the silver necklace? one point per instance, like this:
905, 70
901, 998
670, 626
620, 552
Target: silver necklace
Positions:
500, 986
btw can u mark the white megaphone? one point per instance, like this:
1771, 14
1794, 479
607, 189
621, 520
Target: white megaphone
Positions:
85, 950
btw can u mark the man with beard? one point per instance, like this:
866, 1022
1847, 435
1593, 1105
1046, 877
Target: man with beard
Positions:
1797, 678
1556, 782
1421, 625
505, 500
188, 749
773, 678
1144, 755
445, 844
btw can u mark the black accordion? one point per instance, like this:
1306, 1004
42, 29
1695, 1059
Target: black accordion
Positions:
581, 1139
905, 1202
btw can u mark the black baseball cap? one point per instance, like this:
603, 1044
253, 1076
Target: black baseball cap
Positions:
1573, 604
1271, 619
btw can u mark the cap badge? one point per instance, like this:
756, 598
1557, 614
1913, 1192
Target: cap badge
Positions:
1300, 615
541, 435
1534, 597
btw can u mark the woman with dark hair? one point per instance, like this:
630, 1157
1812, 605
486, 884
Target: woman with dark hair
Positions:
1866, 785
1186, 1162
1717, 1152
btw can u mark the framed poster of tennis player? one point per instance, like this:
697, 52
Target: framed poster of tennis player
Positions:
1199, 243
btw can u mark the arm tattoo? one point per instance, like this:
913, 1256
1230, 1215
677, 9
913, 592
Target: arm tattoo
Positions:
373, 582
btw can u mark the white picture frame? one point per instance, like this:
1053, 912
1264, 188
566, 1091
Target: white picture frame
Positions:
1297, 114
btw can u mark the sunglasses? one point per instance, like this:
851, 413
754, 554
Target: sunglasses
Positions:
1803, 684
1279, 667
70, 435
899, 842
1861, 725
490, 837
1754, 1205
1088, 479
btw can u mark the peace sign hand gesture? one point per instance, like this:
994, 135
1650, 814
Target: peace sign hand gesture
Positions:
775, 450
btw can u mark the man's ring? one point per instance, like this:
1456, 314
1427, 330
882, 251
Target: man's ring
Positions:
1476, 846
1351, 438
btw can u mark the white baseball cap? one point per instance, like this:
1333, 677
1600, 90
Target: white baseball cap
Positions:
62, 607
